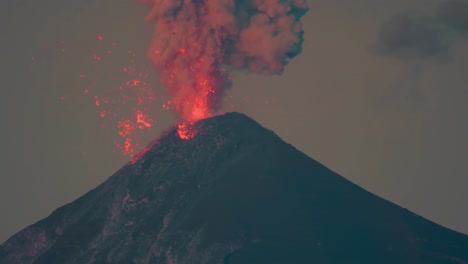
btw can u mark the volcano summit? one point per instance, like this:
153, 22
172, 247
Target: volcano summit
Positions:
235, 193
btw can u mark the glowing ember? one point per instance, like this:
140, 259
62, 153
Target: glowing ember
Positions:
143, 120
194, 46
126, 128
128, 146
186, 131
130, 110
196, 42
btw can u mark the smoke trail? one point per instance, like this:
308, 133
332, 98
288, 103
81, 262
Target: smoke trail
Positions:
196, 42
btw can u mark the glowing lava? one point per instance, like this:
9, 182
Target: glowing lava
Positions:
194, 87
194, 46
130, 110
196, 42
186, 131
140, 120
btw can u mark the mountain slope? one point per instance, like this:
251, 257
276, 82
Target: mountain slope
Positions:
235, 193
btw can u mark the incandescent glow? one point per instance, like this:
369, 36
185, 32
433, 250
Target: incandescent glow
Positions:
196, 42
120, 90
130, 110
143, 121
186, 131
194, 46
139, 119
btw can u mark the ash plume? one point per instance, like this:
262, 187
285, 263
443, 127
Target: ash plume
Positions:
197, 42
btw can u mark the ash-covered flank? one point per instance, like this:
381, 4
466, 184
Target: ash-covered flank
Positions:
235, 193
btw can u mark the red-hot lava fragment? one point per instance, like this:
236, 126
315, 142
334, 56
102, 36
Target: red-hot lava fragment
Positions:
140, 119
185, 131
143, 120
129, 147
131, 110
126, 128
195, 43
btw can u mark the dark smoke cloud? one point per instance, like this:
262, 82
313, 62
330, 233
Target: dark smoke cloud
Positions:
432, 37
454, 14
406, 35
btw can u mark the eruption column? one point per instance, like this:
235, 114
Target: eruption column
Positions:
196, 42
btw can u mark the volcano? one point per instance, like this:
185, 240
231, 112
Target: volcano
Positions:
235, 193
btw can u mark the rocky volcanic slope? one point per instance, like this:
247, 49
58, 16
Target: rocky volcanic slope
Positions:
236, 193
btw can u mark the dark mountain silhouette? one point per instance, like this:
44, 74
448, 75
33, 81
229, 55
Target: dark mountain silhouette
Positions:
235, 193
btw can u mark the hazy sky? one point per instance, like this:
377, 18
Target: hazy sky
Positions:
378, 95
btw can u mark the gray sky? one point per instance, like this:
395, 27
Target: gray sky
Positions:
378, 96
